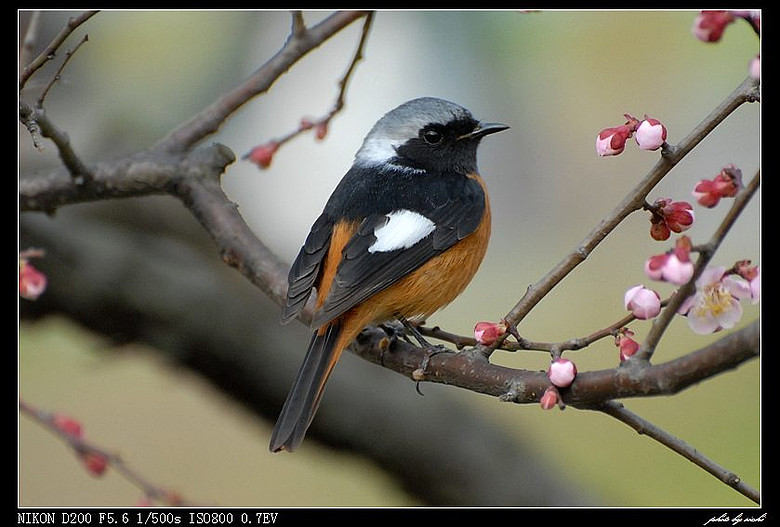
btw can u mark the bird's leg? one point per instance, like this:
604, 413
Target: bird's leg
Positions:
430, 349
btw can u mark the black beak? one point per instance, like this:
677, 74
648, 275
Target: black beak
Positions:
484, 129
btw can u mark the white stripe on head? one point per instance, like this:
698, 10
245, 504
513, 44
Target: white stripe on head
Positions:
403, 229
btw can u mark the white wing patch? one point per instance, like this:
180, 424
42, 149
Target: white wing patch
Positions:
403, 229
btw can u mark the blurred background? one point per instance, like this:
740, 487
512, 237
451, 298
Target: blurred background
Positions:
138, 291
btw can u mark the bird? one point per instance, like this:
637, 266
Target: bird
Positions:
400, 237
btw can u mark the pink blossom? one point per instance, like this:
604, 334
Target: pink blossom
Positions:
627, 346
263, 155
674, 266
715, 305
644, 303
487, 332
754, 68
670, 216
32, 282
612, 141
710, 25
726, 184
562, 372
549, 398
650, 134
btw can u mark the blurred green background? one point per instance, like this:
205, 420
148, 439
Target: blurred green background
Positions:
557, 78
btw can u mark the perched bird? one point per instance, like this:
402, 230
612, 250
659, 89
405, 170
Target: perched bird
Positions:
400, 237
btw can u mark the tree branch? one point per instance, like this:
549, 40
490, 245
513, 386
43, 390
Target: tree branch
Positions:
747, 91
644, 427
471, 370
300, 42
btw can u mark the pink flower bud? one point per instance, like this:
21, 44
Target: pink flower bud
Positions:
68, 425
674, 266
95, 463
659, 231
321, 130
306, 124
705, 193
612, 141
651, 134
644, 303
678, 216
32, 282
670, 216
263, 155
754, 68
561, 372
549, 398
487, 332
628, 347
726, 184
710, 25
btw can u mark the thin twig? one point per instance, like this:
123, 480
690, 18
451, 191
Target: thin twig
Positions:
209, 120
68, 55
323, 122
37, 122
81, 447
51, 50
662, 321
642, 426
30, 38
747, 91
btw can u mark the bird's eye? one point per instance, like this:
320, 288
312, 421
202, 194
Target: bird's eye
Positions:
431, 136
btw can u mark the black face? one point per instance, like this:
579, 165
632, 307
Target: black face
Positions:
437, 147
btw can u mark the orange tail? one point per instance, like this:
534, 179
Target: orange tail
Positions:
306, 393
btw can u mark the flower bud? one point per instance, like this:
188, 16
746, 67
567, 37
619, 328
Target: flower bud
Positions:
32, 282
726, 184
561, 372
710, 25
670, 216
674, 266
487, 332
650, 134
678, 216
321, 130
643, 303
612, 141
263, 155
628, 347
549, 398
754, 68
94, 462
67, 425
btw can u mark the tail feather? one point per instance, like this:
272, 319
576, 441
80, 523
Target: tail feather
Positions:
306, 393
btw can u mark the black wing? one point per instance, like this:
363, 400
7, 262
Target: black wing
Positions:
306, 267
362, 274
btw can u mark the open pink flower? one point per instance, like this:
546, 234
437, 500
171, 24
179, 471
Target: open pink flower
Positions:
715, 305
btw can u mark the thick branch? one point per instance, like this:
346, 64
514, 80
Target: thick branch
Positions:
471, 370
141, 174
